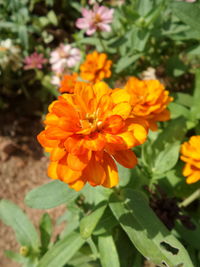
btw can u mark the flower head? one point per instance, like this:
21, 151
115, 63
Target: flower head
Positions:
34, 61
64, 57
190, 153
68, 83
86, 131
149, 100
96, 67
97, 19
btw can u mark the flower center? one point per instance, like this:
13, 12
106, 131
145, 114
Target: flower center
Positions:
97, 19
92, 122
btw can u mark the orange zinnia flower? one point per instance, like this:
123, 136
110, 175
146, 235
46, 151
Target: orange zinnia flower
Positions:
68, 83
191, 155
96, 67
149, 100
86, 131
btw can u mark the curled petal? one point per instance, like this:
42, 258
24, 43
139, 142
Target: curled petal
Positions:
126, 158
110, 168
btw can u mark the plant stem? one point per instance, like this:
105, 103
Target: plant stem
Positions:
190, 199
101, 41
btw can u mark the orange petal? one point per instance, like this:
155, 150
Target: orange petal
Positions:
74, 145
65, 173
153, 125
105, 106
122, 109
113, 124
139, 129
52, 170
110, 169
57, 153
45, 142
51, 119
187, 170
94, 142
78, 162
77, 185
120, 95
54, 132
68, 125
193, 178
63, 109
126, 158
128, 139
100, 89
163, 116
94, 172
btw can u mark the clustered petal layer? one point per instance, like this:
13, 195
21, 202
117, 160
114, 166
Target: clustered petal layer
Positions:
149, 100
87, 131
96, 67
68, 83
190, 153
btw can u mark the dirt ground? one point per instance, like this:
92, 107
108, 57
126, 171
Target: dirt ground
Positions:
22, 168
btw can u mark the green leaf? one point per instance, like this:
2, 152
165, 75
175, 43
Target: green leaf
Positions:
15, 256
184, 99
14, 217
45, 231
106, 223
52, 17
175, 67
50, 195
23, 35
144, 7
89, 222
178, 110
81, 260
125, 62
167, 158
188, 13
175, 131
165, 147
146, 231
62, 251
95, 195
124, 175
195, 110
108, 252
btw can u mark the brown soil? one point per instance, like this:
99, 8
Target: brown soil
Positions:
22, 168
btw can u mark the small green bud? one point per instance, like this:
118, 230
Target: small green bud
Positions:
24, 251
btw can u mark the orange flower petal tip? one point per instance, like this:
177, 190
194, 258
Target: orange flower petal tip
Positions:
190, 154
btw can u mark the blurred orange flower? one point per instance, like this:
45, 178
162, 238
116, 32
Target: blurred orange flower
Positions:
68, 83
149, 100
86, 131
96, 67
191, 155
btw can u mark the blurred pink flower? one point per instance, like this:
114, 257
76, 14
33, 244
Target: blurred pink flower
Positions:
64, 57
34, 61
96, 19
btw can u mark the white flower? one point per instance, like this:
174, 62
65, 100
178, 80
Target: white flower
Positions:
64, 57
10, 55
